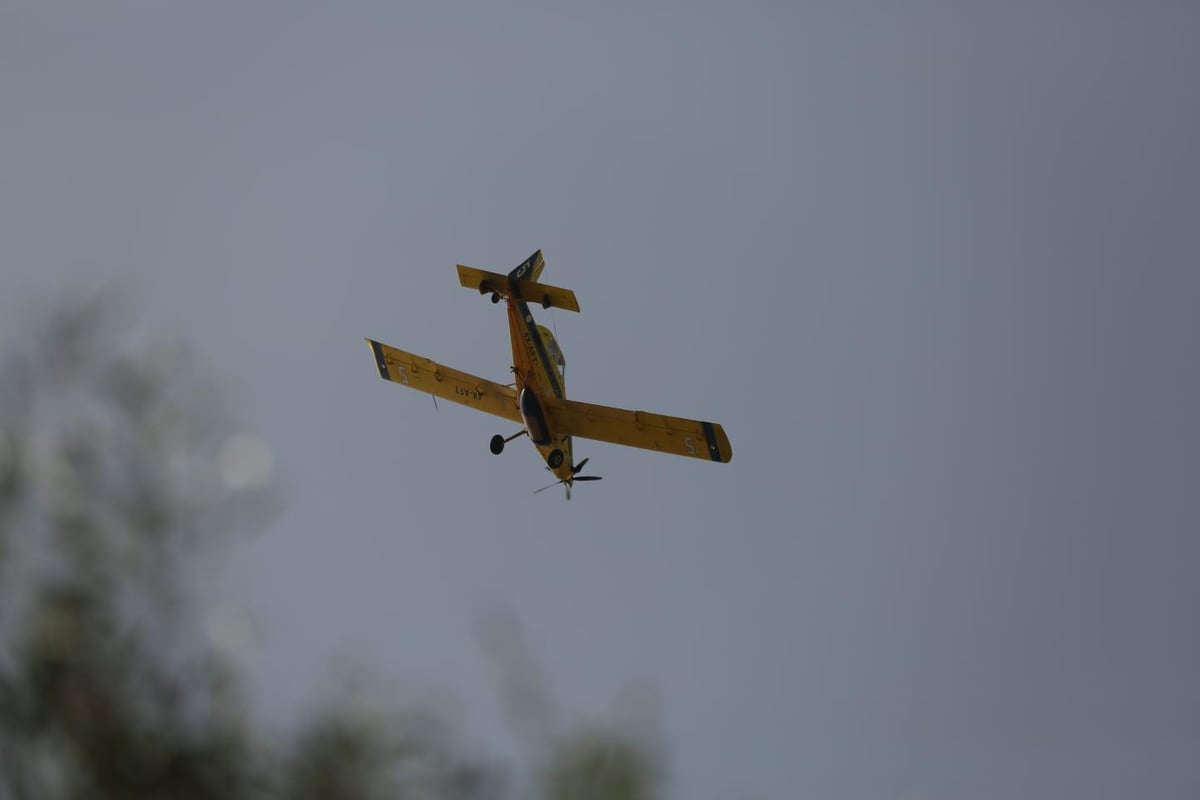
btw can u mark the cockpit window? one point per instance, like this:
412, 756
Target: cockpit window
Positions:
553, 351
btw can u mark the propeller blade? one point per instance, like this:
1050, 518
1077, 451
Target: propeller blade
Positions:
568, 483
578, 466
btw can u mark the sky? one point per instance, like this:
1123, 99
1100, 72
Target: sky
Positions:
933, 267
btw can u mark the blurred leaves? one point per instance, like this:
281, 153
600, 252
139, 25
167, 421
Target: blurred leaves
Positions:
112, 481
351, 751
597, 764
105, 494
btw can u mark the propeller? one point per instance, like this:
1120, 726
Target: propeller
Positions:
568, 481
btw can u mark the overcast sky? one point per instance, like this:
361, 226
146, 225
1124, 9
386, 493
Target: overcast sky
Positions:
934, 266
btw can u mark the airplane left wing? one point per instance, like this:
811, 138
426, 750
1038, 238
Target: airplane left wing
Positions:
424, 375
681, 437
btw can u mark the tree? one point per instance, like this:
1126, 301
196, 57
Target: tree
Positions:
112, 479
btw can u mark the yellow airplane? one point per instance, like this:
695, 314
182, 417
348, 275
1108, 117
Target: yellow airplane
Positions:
537, 399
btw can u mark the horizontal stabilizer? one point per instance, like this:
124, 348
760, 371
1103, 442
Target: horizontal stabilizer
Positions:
487, 282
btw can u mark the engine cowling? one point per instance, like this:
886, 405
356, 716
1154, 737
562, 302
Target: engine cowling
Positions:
534, 418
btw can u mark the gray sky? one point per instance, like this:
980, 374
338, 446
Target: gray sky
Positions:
933, 266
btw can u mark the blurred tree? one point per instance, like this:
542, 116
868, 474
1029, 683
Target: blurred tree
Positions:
105, 491
599, 764
111, 481
615, 761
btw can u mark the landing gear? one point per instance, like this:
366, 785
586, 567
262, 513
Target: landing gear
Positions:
496, 445
495, 297
545, 301
555, 458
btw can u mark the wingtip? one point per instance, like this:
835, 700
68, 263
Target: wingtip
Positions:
380, 360
718, 444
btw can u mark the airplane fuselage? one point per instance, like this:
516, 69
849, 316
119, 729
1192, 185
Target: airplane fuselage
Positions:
538, 374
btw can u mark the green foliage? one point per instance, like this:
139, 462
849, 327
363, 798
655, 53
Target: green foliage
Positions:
102, 497
599, 765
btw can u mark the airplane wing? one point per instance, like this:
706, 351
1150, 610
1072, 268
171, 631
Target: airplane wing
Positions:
424, 375
681, 437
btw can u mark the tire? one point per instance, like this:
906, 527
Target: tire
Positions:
545, 301
497, 444
555, 458
495, 297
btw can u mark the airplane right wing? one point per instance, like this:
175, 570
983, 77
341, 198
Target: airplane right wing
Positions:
424, 375
681, 437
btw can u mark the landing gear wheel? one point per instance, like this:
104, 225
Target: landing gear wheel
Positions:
495, 297
545, 301
497, 444
555, 458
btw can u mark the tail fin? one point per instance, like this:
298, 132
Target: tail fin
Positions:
530, 268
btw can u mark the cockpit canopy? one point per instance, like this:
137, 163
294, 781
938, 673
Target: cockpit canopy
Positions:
553, 350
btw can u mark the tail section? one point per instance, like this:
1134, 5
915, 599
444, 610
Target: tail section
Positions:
530, 268
517, 288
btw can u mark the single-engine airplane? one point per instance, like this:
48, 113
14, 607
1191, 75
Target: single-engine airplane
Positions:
537, 399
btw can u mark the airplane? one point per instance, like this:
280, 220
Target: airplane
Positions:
537, 398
